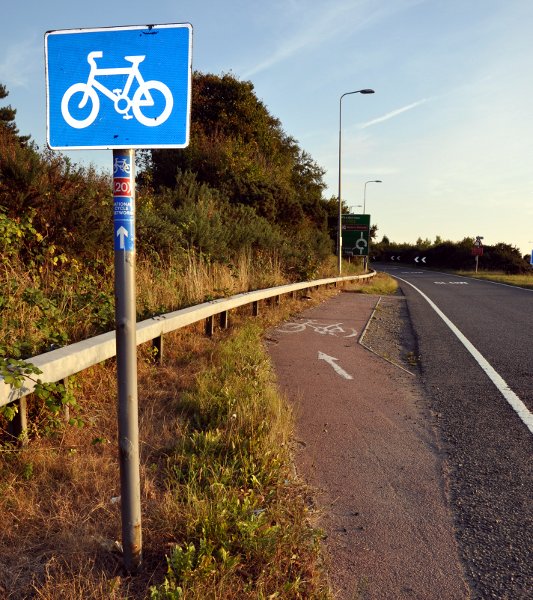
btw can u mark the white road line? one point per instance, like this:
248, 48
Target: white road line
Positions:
518, 406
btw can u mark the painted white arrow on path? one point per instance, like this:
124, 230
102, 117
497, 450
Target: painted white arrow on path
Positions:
331, 361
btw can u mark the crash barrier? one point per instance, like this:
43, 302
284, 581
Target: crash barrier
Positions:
58, 365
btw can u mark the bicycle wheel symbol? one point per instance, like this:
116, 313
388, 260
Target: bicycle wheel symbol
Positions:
81, 118
143, 98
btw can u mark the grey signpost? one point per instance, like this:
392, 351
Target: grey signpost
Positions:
126, 320
121, 88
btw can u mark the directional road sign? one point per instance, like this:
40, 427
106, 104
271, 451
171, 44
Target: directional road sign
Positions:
355, 234
119, 87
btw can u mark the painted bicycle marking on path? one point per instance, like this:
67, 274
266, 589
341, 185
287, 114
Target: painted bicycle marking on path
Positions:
333, 329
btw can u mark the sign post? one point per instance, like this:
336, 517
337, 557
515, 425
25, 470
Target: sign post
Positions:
121, 88
126, 336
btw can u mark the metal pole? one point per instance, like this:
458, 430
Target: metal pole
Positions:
339, 236
125, 315
339, 225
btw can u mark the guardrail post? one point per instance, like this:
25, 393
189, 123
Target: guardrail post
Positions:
18, 427
209, 327
157, 344
255, 308
224, 319
66, 407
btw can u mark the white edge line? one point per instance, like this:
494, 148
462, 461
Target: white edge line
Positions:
518, 406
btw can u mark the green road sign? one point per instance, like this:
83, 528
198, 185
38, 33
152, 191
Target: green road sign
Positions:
355, 235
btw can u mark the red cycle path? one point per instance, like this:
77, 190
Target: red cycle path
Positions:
366, 445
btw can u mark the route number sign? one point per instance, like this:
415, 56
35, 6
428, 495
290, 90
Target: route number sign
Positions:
355, 234
119, 87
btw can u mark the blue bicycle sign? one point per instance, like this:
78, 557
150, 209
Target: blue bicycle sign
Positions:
123, 87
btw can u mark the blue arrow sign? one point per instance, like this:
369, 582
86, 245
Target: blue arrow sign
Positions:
119, 87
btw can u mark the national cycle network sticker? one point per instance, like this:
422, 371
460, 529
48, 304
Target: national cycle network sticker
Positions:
123, 203
119, 87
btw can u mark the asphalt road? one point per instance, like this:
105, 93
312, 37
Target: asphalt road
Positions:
490, 448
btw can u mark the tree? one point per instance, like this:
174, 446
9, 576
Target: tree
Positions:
7, 117
239, 148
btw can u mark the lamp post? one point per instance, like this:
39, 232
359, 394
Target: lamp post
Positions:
364, 193
350, 208
339, 235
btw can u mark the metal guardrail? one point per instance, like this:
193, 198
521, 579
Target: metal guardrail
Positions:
59, 364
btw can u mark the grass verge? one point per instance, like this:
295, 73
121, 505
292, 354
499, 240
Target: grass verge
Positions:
380, 285
525, 281
223, 515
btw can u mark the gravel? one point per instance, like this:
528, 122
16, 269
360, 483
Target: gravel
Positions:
389, 333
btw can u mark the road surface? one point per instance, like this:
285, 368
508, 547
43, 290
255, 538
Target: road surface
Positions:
480, 387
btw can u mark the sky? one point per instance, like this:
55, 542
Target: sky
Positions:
448, 131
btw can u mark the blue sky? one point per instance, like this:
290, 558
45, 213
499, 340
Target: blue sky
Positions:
449, 130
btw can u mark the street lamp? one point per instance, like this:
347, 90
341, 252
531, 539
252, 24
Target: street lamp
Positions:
339, 236
364, 193
355, 206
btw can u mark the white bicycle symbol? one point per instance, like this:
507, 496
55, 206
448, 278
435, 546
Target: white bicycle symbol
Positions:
333, 329
123, 103
121, 164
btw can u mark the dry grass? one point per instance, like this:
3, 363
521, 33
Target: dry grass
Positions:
380, 284
57, 495
192, 281
63, 302
525, 281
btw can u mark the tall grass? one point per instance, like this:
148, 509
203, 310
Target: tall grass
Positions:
61, 301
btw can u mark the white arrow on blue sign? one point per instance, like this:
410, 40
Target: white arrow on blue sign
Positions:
119, 87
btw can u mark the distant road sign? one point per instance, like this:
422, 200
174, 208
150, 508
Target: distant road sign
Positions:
355, 234
119, 87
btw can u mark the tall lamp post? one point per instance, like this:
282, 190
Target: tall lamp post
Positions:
364, 193
339, 235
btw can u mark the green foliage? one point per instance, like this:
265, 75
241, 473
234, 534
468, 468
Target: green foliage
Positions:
7, 118
227, 474
240, 150
53, 396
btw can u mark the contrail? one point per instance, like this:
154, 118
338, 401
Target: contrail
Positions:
393, 114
